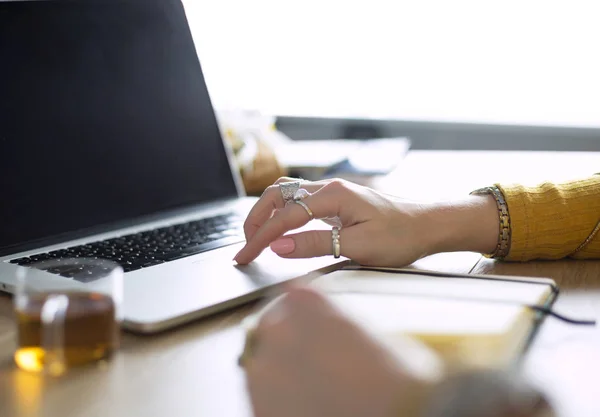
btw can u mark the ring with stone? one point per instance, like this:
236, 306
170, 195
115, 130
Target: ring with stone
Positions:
288, 190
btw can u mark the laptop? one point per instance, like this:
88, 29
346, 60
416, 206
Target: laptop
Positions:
110, 148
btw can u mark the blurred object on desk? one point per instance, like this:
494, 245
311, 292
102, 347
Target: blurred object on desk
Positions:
251, 137
263, 154
354, 160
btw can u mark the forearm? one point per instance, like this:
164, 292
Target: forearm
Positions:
548, 221
470, 224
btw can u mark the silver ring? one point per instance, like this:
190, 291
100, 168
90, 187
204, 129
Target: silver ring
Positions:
288, 190
301, 194
308, 210
335, 242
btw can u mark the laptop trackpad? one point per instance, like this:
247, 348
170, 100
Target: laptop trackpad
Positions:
175, 292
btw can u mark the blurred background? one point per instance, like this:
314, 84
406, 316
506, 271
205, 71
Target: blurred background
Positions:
449, 74
463, 75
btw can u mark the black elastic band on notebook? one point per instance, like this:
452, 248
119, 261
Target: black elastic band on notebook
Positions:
561, 317
544, 310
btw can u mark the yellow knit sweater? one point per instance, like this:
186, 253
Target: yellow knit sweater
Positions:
550, 221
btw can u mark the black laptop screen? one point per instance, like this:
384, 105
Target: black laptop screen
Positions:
104, 117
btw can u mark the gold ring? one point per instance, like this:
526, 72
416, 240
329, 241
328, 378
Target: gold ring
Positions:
308, 210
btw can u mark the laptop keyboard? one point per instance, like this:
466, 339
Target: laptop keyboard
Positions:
153, 247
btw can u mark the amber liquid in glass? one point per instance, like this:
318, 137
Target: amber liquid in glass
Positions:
91, 332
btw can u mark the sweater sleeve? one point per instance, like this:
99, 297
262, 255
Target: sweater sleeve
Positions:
550, 221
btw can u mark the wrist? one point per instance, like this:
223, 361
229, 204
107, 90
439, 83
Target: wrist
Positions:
470, 224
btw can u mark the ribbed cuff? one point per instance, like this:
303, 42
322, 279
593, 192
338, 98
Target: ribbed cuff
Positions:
550, 221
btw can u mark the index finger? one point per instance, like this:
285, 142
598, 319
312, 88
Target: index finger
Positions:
291, 217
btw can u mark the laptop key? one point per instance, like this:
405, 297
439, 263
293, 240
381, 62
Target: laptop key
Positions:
194, 250
22, 261
215, 236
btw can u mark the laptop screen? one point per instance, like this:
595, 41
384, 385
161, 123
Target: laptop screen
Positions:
104, 117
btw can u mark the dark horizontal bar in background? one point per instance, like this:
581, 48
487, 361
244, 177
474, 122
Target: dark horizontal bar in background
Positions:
445, 135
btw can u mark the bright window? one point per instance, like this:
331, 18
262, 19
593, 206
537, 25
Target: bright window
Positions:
523, 62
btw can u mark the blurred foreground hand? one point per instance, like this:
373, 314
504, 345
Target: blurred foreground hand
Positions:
308, 359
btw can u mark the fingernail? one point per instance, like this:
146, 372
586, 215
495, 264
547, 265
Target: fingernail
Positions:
283, 246
235, 258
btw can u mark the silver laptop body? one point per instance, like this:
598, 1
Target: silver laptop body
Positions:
107, 131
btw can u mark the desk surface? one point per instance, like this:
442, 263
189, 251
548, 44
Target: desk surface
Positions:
192, 371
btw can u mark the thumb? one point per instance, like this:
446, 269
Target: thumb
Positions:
313, 243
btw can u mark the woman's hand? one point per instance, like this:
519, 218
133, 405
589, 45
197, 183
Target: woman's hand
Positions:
377, 229
309, 360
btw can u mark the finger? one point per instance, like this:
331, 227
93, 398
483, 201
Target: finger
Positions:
323, 203
269, 201
318, 243
306, 299
281, 330
286, 179
276, 322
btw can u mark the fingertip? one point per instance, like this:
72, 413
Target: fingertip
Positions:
246, 255
239, 258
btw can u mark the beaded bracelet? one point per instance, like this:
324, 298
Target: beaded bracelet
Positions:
503, 246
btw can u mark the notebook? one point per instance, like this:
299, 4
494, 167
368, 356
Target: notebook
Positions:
469, 320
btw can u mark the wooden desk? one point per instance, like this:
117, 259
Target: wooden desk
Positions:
192, 371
